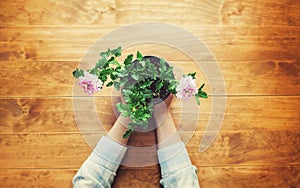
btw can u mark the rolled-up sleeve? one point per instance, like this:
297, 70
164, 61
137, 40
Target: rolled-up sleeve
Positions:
176, 167
99, 170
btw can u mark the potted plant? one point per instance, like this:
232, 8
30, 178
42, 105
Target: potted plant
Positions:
143, 81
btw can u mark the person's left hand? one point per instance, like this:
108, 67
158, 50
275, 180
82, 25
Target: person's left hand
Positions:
161, 110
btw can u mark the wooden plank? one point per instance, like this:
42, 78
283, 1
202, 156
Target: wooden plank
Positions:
56, 115
89, 34
261, 12
252, 176
37, 178
245, 12
44, 79
217, 176
226, 43
248, 148
38, 151
179, 12
261, 148
138, 178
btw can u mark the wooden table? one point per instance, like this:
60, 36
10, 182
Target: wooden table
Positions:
256, 44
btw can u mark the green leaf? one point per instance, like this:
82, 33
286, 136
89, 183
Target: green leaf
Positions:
103, 78
169, 75
123, 73
117, 52
201, 87
128, 133
159, 85
94, 71
135, 77
123, 109
170, 70
117, 85
139, 56
113, 61
153, 71
128, 59
163, 65
143, 64
104, 54
109, 84
78, 73
162, 70
101, 63
202, 94
106, 71
172, 86
105, 65
118, 68
145, 85
114, 75
192, 74
122, 82
127, 95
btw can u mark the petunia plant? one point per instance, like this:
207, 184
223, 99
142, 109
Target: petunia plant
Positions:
143, 81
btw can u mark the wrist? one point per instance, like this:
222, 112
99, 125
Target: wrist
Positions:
118, 129
122, 121
161, 117
167, 132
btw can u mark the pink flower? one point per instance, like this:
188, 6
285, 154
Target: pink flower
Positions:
186, 88
90, 83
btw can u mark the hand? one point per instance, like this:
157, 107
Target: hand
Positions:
120, 126
118, 99
161, 110
121, 119
166, 130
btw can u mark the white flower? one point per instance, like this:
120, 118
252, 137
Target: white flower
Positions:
90, 83
186, 88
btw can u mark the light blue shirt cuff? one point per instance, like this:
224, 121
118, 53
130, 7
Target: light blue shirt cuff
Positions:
108, 153
173, 158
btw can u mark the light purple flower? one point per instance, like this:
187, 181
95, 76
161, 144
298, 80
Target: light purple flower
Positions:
186, 88
90, 83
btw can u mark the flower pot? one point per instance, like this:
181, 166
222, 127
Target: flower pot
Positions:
163, 94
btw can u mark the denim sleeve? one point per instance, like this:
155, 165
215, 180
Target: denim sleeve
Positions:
99, 170
176, 167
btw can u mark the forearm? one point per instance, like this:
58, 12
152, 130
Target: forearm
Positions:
119, 128
176, 167
100, 168
167, 132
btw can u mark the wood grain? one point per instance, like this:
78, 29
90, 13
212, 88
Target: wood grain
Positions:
55, 115
51, 79
259, 148
248, 148
249, 176
179, 12
217, 176
256, 45
37, 178
226, 43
